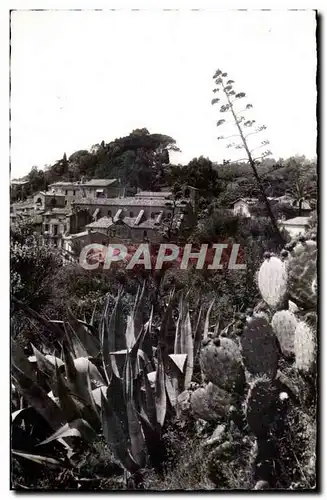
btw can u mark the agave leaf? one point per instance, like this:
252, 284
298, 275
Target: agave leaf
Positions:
138, 311
138, 345
130, 332
171, 392
138, 448
187, 348
109, 330
178, 334
93, 316
77, 347
116, 400
20, 362
54, 360
152, 376
97, 394
84, 365
39, 458
38, 399
20, 413
115, 434
43, 364
197, 335
66, 402
178, 360
166, 320
206, 323
89, 342
77, 428
160, 390
147, 402
80, 389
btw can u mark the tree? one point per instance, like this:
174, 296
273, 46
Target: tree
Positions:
37, 180
231, 99
302, 180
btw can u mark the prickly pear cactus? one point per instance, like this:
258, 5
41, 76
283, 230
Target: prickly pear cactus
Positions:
284, 324
305, 347
272, 281
259, 347
260, 405
221, 363
302, 274
210, 403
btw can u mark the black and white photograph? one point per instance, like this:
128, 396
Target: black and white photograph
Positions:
164, 329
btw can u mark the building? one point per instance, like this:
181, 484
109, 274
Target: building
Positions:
242, 206
71, 215
55, 223
94, 188
23, 208
295, 227
137, 212
46, 200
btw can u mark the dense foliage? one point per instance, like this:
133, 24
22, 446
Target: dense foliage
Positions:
134, 358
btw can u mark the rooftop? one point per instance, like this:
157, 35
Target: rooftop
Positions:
126, 202
154, 194
90, 183
297, 221
106, 222
249, 201
58, 210
18, 182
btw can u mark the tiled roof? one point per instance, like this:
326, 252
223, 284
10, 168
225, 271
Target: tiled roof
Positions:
154, 194
98, 182
106, 222
125, 202
297, 221
91, 183
102, 223
58, 210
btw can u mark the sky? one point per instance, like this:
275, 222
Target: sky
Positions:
80, 77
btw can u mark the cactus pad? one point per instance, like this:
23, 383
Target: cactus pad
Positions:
260, 405
210, 403
302, 274
259, 347
284, 324
221, 363
304, 347
272, 281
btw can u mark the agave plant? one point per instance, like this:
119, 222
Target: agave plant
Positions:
111, 381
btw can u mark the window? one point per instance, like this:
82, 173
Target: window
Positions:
145, 234
46, 227
66, 192
66, 201
109, 213
55, 229
131, 214
55, 244
74, 192
153, 215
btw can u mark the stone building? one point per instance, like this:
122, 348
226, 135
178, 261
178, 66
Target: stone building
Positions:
94, 188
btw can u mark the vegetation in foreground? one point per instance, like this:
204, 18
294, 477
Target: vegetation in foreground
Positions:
172, 400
